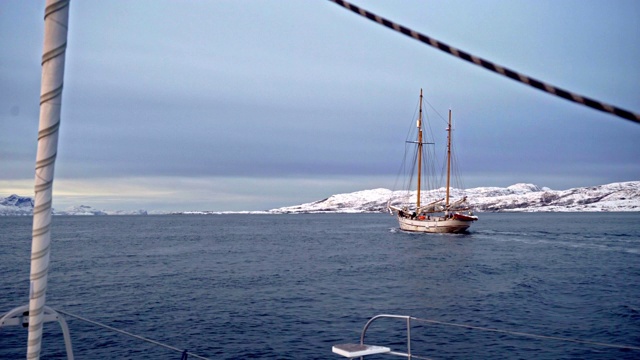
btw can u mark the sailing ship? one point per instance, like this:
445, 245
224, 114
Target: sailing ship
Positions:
437, 216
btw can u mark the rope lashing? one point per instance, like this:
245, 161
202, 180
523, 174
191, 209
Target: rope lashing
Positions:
514, 75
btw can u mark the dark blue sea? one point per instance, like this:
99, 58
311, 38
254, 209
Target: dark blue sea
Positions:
291, 286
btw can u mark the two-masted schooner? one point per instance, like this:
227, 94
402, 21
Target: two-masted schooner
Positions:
438, 216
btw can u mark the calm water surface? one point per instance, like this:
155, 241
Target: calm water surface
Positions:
291, 286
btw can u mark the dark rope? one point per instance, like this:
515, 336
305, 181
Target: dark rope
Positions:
184, 353
519, 333
567, 95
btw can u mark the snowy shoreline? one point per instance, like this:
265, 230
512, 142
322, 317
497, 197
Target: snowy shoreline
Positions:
620, 196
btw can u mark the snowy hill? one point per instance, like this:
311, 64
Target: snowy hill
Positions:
23, 206
16, 205
356, 202
80, 210
623, 196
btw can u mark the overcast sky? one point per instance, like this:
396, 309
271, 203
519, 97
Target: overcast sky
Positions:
252, 105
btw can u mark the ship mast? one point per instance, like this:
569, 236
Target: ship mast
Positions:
419, 124
448, 160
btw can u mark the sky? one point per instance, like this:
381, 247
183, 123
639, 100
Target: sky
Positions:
254, 105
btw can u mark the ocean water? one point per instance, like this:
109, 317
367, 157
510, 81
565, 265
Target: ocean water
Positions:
291, 286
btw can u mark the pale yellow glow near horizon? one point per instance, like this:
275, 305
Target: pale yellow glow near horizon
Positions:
17, 187
84, 188
198, 193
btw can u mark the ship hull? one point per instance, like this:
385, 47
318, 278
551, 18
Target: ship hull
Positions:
436, 225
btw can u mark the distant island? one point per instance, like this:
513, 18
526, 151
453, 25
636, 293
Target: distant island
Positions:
621, 196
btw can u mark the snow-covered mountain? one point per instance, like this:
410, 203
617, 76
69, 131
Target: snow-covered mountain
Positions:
623, 196
22, 205
16, 205
374, 200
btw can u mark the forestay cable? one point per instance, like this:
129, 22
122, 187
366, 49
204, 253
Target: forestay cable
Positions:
567, 95
183, 352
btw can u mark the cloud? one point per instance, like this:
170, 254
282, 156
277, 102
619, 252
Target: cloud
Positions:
238, 90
